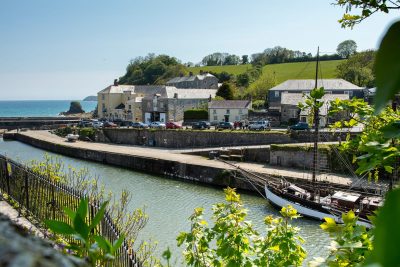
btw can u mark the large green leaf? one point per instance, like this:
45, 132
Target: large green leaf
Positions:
99, 215
117, 244
60, 227
387, 232
388, 67
83, 207
392, 130
81, 227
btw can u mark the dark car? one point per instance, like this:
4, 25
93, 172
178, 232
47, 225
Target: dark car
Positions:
224, 125
173, 125
300, 126
201, 125
138, 125
109, 124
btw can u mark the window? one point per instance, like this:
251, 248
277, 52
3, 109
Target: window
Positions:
215, 118
237, 118
103, 97
276, 93
129, 107
350, 93
103, 106
129, 98
214, 111
240, 111
228, 111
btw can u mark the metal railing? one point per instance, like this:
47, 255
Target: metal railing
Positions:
45, 199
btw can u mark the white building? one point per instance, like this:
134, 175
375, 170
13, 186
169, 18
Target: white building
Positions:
228, 110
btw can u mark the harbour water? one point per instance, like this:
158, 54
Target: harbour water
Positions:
170, 202
40, 108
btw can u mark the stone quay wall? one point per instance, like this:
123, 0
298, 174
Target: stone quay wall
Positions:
190, 138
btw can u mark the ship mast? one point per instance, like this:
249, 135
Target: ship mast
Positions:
316, 133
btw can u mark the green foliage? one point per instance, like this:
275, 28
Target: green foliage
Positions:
85, 133
225, 91
152, 70
195, 114
387, 233
258, 104
359, 69
63, 131
388, 67
313, 102
236, 242
375, 146
346, 48
85, 241
259, 89
366, 7
351, 244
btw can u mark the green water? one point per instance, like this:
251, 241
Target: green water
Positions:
170, 202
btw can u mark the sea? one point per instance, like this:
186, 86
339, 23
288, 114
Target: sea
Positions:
40, 108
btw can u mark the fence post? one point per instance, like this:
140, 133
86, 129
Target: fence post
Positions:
26, 190
7, 176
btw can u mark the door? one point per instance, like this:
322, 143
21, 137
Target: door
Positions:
147, 117
226, 118
162, 117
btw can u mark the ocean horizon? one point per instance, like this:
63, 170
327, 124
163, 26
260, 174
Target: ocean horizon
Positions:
40, 108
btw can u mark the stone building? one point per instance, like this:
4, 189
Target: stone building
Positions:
290, 111
331, 86
170, 103
203, 80
228, 110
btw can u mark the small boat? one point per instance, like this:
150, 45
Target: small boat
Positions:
72, 137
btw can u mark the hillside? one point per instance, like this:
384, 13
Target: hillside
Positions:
283, 72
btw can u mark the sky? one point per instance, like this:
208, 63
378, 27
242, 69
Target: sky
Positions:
71, 49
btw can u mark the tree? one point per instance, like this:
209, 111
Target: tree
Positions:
346, 48
225, 91
232, 241
243, 79
259, 89
245, 59
359, 69
231, 60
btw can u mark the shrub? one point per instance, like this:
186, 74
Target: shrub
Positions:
195, 114
63, 131
85, 133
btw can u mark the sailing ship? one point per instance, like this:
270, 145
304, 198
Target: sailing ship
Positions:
318, 203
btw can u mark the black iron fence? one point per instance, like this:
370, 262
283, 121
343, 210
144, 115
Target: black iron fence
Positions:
44, 199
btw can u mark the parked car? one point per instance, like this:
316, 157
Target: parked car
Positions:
97, 124
260, 125
224, 125
300, 126
109, 124
173, 125
85, 123
201, 125
139, 125
157, 125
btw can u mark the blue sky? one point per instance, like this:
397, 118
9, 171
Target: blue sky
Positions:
70, 49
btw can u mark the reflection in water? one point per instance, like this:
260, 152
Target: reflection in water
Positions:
170, 202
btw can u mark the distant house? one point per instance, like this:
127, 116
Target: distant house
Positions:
171, 103
331, 86
290, 111
204, 81
228, 110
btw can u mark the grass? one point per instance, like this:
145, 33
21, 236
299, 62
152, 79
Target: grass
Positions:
283, 72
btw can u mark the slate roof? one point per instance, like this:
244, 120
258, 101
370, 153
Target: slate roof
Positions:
229, 104
309, 84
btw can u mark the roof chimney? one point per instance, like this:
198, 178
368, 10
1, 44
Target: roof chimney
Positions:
115, 82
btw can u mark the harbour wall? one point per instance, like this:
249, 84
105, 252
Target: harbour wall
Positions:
11, 123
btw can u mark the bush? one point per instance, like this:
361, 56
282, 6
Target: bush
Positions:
64, 131
85, 133
195, 114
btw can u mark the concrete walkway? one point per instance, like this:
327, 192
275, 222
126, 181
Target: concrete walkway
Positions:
174, 155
